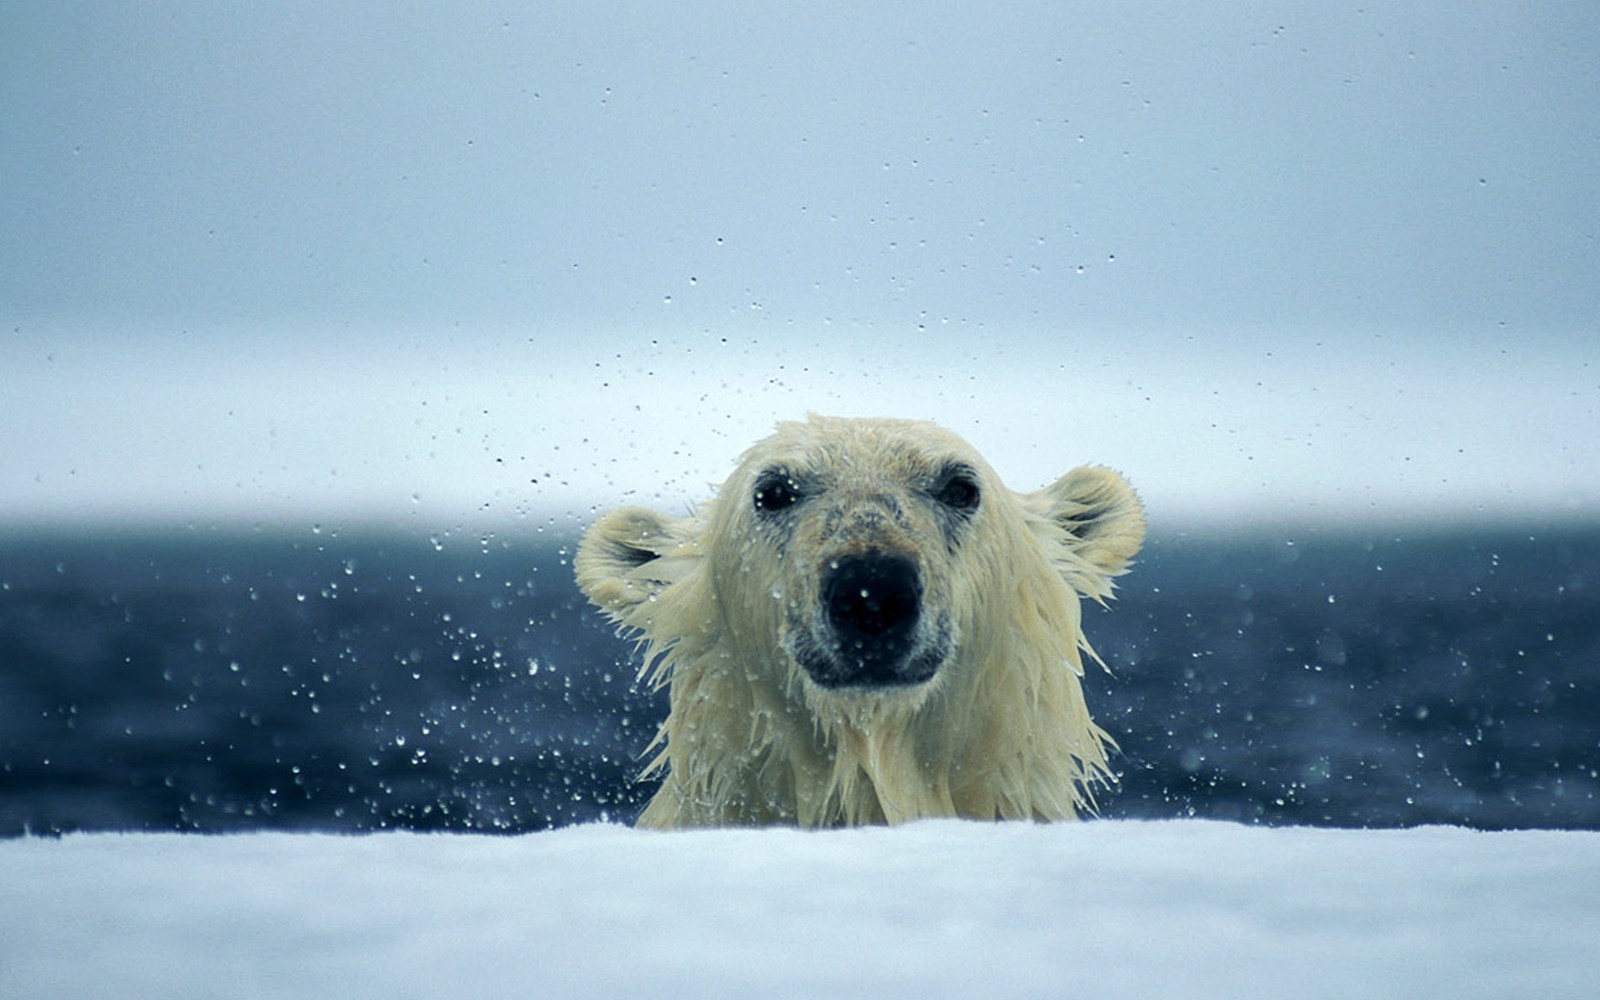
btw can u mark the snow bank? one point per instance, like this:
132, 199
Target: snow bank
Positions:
1101, 909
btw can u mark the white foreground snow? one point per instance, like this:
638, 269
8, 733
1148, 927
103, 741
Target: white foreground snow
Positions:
1102, 909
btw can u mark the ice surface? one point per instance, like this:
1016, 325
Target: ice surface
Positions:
1105, 909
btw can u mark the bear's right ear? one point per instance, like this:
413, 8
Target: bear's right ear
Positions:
632, 554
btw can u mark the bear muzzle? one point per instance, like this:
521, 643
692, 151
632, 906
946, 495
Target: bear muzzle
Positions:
870, 629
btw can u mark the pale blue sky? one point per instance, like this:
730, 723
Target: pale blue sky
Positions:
324, 261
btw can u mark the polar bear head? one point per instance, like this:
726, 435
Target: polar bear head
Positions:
858, 582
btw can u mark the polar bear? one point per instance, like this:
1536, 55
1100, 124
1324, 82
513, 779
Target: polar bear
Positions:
866, 626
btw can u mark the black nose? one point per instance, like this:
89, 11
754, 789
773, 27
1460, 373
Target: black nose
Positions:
873, 600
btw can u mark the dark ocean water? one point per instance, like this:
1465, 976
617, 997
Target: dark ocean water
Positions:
205, 681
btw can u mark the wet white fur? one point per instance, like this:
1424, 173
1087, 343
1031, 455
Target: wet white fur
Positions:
1002, 730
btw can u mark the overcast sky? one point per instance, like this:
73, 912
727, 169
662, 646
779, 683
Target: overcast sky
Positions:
443, 263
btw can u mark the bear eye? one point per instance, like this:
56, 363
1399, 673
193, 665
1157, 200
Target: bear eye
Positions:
959, 490
776, 491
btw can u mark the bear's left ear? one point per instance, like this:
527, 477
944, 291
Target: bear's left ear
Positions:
1102, 522
632, 554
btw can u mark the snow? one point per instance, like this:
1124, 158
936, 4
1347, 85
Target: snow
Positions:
1106, 909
